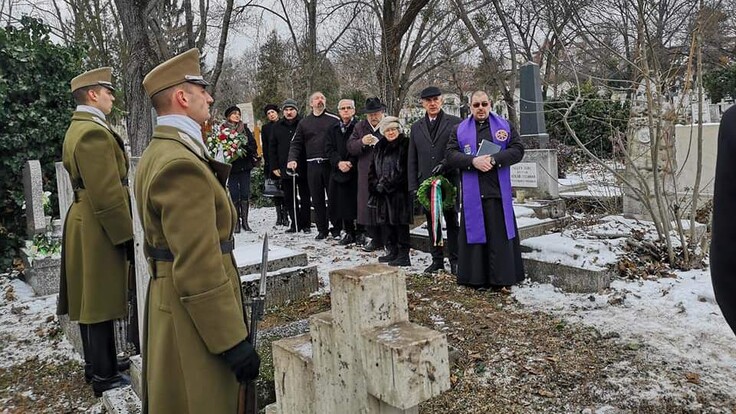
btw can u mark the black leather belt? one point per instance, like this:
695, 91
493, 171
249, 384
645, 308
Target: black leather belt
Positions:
165, 255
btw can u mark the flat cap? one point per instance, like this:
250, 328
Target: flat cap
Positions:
430, 91
179, 69
99, 76
289, 103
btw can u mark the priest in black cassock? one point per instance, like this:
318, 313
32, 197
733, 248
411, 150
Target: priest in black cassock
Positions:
489, 256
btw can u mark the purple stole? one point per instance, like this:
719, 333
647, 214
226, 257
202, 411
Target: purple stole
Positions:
472, 206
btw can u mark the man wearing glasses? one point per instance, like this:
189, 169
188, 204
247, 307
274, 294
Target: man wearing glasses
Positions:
429, 138
343, 189
488, 245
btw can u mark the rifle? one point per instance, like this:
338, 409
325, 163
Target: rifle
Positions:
247, 399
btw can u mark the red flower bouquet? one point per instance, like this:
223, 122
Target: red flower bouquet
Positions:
228, 142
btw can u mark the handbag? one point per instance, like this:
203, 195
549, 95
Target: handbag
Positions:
272, 188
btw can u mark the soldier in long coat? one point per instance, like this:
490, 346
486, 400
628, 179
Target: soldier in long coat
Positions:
196, 351
360, 145
94, 270
722, 259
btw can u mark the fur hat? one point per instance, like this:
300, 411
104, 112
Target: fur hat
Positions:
389, 122
270, 107
230, 110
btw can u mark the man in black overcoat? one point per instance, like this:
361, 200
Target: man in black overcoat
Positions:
427, 146
278, 146
343, 188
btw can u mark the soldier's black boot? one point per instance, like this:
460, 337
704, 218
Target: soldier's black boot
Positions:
86, 349
245, 206
392, 253
104, 358
402, 258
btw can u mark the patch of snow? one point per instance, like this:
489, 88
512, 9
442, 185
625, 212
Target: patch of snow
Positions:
25, 323
677, 318
326, 254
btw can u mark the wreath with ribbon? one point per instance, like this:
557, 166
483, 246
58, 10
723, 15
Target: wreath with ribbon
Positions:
448, 192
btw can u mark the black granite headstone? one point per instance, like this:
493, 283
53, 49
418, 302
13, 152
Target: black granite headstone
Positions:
531, 108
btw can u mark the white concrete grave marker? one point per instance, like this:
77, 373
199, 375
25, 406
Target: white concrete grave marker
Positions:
363, 356
33, 192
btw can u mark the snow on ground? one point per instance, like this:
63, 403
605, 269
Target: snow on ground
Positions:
327, 254
26, 324
677, 318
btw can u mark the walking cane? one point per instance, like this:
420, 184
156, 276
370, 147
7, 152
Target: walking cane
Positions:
293, 175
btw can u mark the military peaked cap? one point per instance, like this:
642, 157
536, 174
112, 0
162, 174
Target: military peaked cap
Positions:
94, 77
179, 69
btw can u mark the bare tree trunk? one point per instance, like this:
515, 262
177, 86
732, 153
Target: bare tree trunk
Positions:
699, 167
394, 26
141, 59
506, 90
223, 43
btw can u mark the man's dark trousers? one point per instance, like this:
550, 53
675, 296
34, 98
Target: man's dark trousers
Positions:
451, 242
318, 174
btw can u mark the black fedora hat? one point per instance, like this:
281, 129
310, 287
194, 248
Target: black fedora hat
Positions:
373, 105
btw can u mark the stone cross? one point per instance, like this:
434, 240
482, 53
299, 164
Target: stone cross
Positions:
531, 108
33, 192
363, 356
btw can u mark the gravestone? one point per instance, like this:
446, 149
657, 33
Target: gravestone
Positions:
640, 168
363, 356
33, 192
531, 108
536, 175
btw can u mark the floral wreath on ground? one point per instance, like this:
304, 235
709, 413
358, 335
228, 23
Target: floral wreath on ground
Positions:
448, 192
227, 141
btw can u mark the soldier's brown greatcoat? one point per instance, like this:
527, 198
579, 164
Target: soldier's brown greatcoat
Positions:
194, 309
94, 271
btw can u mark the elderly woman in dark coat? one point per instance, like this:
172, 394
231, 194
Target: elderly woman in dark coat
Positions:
389, 203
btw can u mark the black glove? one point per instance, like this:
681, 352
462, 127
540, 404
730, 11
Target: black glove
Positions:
380, 188
243, 361
438, 169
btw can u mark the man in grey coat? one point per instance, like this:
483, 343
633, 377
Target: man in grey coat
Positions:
429, 137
